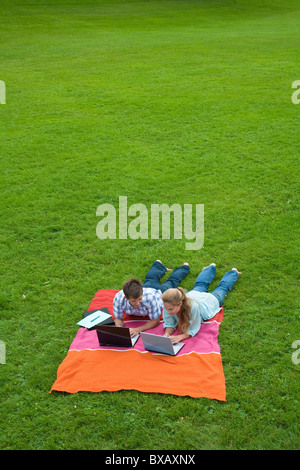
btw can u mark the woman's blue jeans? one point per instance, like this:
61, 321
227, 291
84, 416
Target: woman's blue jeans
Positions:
225, 285
157, 271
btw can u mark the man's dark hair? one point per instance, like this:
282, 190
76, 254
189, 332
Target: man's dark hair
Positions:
133, 288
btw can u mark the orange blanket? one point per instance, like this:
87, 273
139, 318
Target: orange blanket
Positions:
198, 372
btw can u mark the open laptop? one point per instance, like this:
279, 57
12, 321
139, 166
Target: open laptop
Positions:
115, 336
160, 344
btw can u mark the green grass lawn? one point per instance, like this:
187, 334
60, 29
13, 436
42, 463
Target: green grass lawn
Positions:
165, 101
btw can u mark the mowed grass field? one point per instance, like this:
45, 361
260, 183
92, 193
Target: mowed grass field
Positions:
185, 102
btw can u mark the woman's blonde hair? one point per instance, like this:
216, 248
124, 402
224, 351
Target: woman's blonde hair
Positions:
174, 297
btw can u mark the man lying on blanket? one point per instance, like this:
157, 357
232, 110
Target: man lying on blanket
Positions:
144, 300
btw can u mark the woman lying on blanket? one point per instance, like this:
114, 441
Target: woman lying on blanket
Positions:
187, 311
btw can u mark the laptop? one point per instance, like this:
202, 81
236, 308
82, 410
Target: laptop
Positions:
115, 336
160, 344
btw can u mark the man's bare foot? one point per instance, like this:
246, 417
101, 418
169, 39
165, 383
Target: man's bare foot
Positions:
168, 269
211, 264
234, 269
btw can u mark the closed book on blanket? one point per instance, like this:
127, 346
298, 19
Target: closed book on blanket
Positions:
94, 318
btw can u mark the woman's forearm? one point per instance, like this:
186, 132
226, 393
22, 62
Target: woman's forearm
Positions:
169, 331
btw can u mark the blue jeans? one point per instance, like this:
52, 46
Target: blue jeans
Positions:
225, 285
157, 271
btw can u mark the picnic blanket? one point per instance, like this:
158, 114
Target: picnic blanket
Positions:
196, 371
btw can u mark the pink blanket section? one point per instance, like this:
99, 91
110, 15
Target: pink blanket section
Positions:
205, 342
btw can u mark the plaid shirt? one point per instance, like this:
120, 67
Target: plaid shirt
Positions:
151, 304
